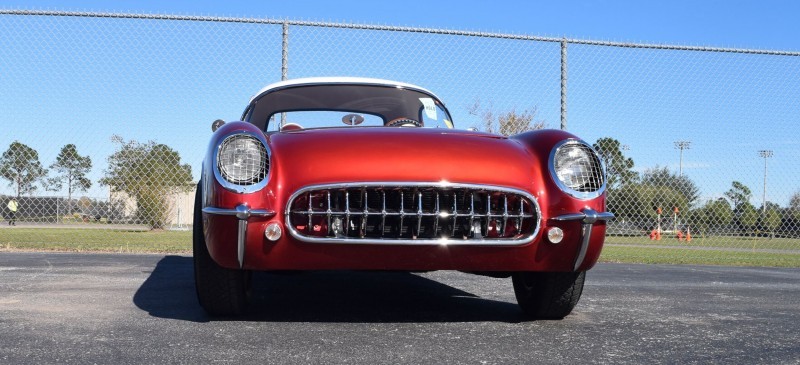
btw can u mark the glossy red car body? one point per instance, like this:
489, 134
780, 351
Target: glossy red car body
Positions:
306, 157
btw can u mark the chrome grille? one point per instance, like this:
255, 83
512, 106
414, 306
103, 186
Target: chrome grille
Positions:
413, 213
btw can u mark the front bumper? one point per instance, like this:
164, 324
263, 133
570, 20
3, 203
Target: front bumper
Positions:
585, 233
588, 217
243, 213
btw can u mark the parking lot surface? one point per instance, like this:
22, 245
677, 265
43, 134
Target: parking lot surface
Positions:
133, 309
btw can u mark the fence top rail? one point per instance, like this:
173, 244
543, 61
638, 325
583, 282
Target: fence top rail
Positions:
391, 28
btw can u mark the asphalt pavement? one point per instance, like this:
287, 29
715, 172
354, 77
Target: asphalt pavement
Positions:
70, 308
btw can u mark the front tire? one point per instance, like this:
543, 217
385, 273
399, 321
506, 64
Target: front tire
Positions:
220, 291
548, 295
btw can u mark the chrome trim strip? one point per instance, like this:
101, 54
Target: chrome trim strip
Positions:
566, 189
241, 238
588, 217
405, 241
586, 233
243, 213
241, 189
596, 216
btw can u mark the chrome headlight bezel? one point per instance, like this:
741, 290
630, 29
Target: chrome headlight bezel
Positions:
243, 184
571, 144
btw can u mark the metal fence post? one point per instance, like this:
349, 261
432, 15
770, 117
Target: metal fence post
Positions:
564, 84
285, 51
284, 60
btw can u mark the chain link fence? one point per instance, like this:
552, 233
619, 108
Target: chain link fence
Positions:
106, 117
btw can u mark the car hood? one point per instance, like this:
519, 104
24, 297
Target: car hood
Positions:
334, 155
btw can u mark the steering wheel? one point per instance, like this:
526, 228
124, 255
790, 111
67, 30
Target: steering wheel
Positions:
403, 122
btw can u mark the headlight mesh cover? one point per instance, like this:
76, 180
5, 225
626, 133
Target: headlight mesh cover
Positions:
242, 160
577, 169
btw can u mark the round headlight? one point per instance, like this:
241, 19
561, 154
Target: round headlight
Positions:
577, 169
242, 159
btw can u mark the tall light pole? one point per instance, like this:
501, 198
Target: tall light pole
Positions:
682, 145
765, 154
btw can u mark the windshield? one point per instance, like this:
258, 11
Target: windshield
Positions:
347, 106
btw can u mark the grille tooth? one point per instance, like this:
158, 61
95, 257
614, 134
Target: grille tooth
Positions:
402, 214
454, 222
505, 215
414, 213
437, 213
383, 213
328, 211
419, 214
365, 216
310, 212
346, 213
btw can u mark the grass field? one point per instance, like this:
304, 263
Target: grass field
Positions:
669, 255
732, 251
95, 240
750, 243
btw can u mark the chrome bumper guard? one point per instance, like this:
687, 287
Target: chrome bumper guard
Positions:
243, 212
588, 218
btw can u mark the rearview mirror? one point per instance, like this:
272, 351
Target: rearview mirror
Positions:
216, 124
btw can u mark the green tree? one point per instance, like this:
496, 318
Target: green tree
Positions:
627, 203
507, 123
618, 167
747, 216
20, 165
72, 169
715, 214
150, 173
794, 208
739, 195
771, 219
682, 184
639, 203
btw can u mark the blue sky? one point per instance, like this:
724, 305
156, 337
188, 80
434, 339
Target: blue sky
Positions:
730, 23
167, 81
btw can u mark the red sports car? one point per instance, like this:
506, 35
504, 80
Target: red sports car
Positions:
367, 174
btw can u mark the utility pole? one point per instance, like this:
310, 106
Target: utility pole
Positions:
765, 154
682, 145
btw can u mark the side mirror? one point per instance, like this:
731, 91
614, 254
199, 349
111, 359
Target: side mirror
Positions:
216, 124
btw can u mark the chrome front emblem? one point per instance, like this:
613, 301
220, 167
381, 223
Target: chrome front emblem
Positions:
352, 119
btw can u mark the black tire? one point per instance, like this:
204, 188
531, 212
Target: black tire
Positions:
548, 295
222, 292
